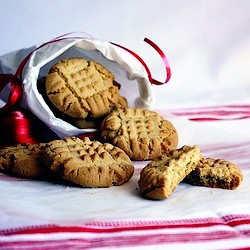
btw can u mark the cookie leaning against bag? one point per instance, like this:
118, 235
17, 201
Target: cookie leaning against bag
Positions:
81, 88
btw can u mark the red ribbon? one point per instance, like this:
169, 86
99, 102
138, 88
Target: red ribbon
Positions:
16, 92
17, 125
151, 79
164, 58
165, 61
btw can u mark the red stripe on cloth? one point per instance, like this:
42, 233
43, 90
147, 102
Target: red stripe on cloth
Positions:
212, 113
207, 119
224, 108
114, 227
93, 237
129, 240
56, 229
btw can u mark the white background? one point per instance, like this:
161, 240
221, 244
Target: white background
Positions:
207, 42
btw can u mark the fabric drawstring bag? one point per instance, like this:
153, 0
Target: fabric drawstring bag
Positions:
129, 69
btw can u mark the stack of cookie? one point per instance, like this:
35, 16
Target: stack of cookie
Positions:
85, 94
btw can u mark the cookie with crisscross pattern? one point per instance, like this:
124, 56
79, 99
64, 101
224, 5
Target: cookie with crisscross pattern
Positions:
81, 88
88, 163
141, 133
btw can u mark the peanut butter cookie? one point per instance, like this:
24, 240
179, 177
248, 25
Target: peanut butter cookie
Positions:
141, 133
161, 176
81, 88
88, 163
215, 173
23, 160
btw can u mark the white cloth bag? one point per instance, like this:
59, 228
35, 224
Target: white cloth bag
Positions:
129, 72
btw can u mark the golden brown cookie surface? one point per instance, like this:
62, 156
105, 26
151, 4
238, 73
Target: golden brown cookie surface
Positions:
88, 163
161, 176
23, 160
81, 88
215, 173
141, 133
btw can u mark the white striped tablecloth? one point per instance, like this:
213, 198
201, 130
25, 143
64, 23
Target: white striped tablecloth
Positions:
37, 214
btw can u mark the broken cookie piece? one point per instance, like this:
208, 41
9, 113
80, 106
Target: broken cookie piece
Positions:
161, 176
215, 173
